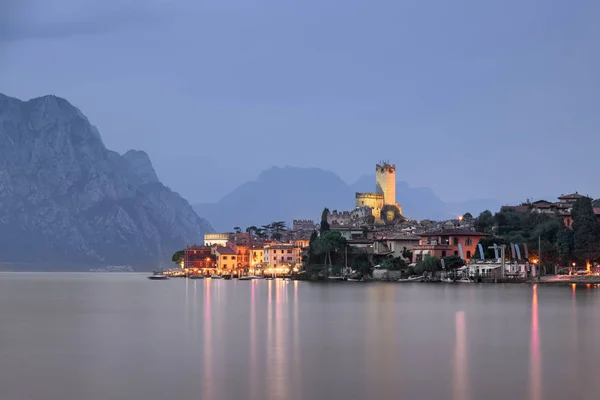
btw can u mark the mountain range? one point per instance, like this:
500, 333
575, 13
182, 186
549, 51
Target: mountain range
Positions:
68, 202
284, 194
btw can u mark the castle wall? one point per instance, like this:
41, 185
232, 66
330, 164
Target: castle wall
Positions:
373, 200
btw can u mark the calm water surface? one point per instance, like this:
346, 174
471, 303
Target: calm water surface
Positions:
122, 336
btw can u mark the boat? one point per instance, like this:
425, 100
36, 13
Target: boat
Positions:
158, 276
337, 278
196, 276
245, 278
254, 277
354, 279
412, 279
216, 277
447, 280
226, 276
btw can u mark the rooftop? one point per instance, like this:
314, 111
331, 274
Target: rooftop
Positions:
224, 250
453, 232
571, 196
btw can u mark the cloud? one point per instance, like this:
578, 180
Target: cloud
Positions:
30, 20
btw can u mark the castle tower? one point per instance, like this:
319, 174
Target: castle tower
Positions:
385, 175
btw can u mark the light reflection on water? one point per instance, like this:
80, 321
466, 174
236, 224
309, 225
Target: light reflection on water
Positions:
123, 336
461, 370
535, 390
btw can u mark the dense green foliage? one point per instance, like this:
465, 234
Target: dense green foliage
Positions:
362, 265
559, 244
453, 262
408, 254
430, 264
394, 264
178, 256
586, 231
327, 243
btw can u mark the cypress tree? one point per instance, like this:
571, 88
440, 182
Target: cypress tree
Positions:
324, 223
586, 231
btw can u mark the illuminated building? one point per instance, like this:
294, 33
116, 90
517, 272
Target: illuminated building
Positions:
445, 242
382, 203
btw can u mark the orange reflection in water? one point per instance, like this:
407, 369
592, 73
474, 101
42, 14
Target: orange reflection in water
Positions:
461, 374
253, 367
535, 387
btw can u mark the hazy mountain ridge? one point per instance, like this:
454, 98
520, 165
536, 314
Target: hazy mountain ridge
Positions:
296, 193
66, 199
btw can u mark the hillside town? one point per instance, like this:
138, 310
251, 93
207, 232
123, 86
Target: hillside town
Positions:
375, 241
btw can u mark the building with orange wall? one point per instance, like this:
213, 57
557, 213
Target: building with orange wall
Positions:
445, 242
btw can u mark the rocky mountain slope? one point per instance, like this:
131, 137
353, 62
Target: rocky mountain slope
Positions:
66, 200
283, 194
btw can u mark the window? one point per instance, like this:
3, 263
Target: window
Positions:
281, 258
468, 253
289, 258
289, 252
468, 242
233, 257
456, 241
443, 253
224, 257
224, 265
456, 253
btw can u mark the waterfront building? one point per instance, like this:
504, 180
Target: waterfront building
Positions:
257, 256
281, 255
226, 258
445, 242
198, 257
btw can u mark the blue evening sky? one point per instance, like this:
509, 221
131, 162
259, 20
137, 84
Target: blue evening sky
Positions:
471, 98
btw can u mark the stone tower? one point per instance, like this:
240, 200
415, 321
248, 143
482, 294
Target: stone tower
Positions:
385, 177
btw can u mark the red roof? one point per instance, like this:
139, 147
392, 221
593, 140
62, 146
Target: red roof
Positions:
596, 211
453, 232
225, 250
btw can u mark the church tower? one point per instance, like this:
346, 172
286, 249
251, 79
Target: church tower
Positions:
385, 177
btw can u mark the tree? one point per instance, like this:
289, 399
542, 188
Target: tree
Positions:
565, 245
362, 265
237, 229
324, 224
326, 243
408, 254
453, 262
394, 264
178, 256
484, 222
586, 231
430, 264
468, 217
311, 258
276, 229
390, 213
252, 230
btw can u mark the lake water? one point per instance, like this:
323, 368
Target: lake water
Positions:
122, 336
